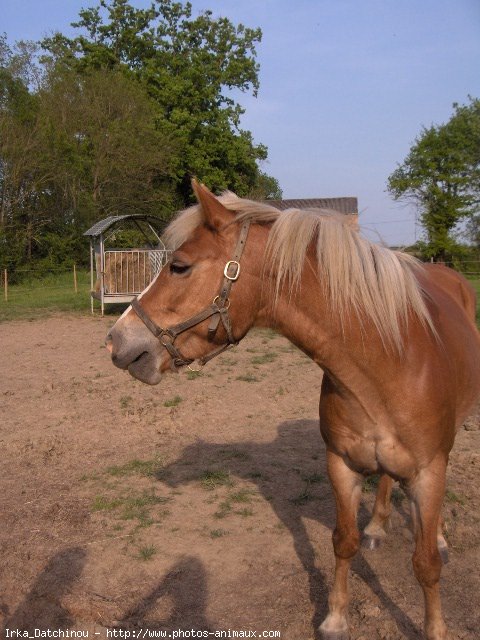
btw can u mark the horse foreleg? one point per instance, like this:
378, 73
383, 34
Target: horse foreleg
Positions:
426, 495
376, 529
347, 486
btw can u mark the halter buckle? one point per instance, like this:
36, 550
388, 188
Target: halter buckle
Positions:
226, 304
237, 272
170, 338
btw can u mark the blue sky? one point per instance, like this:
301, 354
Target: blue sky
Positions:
345, 87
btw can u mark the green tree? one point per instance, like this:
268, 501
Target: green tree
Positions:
81, 147
192, 67
441, 176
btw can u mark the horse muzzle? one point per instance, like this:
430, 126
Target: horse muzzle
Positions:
140, 356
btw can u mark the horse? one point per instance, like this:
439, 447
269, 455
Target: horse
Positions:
396, 340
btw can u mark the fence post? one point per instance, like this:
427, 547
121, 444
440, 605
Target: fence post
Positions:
5, 281
75, 278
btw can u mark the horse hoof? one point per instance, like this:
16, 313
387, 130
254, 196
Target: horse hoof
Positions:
334, 635
444, 554
371, 542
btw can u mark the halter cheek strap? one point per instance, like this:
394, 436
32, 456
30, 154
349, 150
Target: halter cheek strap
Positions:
217, 311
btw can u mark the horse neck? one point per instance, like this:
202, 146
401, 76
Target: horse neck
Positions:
337, 345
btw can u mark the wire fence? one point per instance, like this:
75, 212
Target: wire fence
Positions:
69, 289
26, 291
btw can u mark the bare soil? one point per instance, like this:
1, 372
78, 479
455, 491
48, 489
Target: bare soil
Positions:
201, 504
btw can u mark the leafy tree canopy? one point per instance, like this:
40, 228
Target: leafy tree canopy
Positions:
118, 119
191, 67
441, 176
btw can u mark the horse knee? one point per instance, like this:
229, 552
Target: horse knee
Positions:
427, 567
346, 542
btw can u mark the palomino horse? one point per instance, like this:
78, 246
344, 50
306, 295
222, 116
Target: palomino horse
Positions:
397, 343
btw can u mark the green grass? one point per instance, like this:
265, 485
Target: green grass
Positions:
475, 282
147, 552
173, 402
302, 498
248, 377
38, 297
136, 467
452, 497
193, 375
131, 507
243, 496
267, 357
370, 484
212, 479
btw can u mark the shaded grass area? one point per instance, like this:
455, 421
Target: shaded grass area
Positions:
52, 293
37, 297
475, 282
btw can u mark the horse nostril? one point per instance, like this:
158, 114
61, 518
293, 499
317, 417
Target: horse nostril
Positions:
109, 342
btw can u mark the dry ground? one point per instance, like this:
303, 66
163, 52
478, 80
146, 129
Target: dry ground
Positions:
201, 503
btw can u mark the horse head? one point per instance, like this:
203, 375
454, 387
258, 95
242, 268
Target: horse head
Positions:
206, 297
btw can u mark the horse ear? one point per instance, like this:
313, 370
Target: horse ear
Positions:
216, 215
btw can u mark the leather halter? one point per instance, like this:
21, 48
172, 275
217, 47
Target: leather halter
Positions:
217, 311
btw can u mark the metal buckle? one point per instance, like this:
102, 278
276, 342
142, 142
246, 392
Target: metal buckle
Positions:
226, 303
237, 272
171, 338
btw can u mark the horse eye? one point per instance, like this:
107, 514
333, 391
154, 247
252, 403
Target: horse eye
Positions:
179, 268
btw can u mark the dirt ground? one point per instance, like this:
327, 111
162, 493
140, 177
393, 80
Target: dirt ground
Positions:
201, 503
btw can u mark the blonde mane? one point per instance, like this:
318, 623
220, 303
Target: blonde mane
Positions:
376, 282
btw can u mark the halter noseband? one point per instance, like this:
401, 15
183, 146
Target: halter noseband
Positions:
218, 310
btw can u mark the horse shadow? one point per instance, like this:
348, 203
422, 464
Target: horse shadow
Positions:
290, 472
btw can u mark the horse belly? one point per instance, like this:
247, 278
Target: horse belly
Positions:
371, 456
395, 459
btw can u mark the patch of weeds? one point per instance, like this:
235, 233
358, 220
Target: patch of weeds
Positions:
131, 507
451, 496
225, 508
313, 478
234, 454
371, 483
147, 552
211, 479
302, 498
89, 476
229, 361
248, 377
244, 495
136, 467
101, 503
218, 533
136, 508
267, 357
245, 513
397, 496
173, 402
193, 375
289, 348
257, 475
125, 402
269, 334
280, 391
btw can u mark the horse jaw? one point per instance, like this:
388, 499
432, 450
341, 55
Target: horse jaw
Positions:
145, 368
